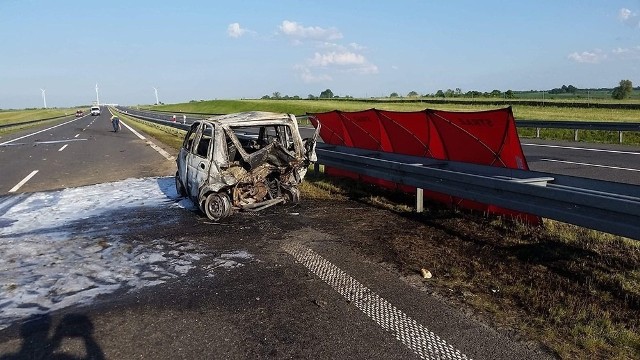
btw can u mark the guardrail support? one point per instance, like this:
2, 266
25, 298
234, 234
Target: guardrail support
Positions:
575, 135
419, 200
620, 136
537, 133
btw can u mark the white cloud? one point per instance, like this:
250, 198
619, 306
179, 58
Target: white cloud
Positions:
235, 31
626, 53
337, 58
588, 57
295, 30
356, 46
308, 77
629, 17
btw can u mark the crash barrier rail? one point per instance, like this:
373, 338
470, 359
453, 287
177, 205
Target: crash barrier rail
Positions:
595, 204
576, 125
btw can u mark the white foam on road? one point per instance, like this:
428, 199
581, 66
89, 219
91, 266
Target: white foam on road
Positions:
63, 248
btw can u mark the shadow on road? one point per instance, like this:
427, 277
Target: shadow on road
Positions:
36, 343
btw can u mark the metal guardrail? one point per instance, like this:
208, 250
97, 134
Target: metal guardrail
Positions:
595, 204
576, 125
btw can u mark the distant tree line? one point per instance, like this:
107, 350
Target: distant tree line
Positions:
622, 91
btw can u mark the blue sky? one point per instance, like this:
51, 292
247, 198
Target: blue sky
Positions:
192, 50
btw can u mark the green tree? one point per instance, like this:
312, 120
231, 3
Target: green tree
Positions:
394, 95
449, 93
276, 95
509, 94
440, 93
623, 91
412, 94
327, 94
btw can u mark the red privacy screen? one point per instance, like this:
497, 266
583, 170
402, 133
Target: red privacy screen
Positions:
478, 137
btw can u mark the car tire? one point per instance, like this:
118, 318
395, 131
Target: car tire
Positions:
292, 195
217, 206
182, 192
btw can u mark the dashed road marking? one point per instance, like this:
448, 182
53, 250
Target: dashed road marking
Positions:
62, 148
415, 336
24, 181
76, 135
37, 132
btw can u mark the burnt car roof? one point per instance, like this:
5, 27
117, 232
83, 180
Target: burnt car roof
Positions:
248, 117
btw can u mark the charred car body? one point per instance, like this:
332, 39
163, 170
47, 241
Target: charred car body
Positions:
244, 161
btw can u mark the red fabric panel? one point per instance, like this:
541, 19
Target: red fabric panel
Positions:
482, 137
479, 137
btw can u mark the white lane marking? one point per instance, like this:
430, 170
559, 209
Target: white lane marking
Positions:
58, 141
24, 181
62, 148
153, 146
76, 135
37, 132
594, 165
585, 149
415, 336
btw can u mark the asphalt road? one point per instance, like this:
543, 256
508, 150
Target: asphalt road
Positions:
75, 152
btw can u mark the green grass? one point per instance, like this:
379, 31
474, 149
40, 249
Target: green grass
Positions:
20, 116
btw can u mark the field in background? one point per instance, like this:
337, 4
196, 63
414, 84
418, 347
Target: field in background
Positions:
20, 116
301, 107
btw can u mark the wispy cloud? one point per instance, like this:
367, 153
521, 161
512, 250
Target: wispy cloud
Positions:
627, 53
628, 17
299, 32
588, 57
235, 31
307, 76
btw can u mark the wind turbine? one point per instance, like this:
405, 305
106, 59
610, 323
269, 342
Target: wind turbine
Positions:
44, 98
97, 97
156, 91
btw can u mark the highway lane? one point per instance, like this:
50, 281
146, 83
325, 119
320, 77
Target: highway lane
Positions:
76, 152
610, 162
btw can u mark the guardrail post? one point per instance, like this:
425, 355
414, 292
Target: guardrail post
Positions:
419, 200
575, 135
620, 136
537, 133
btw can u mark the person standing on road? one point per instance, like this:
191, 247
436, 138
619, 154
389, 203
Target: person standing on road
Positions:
115, 122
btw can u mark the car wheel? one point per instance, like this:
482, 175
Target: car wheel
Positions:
182, 192
292, 195
217, 206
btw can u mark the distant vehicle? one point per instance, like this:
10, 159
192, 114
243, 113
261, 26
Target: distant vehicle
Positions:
245, 161
79, 113
95, 110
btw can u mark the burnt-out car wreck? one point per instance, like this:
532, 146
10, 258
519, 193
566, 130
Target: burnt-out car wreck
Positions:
245, 161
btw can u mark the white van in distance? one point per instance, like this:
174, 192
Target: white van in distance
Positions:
95, 111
